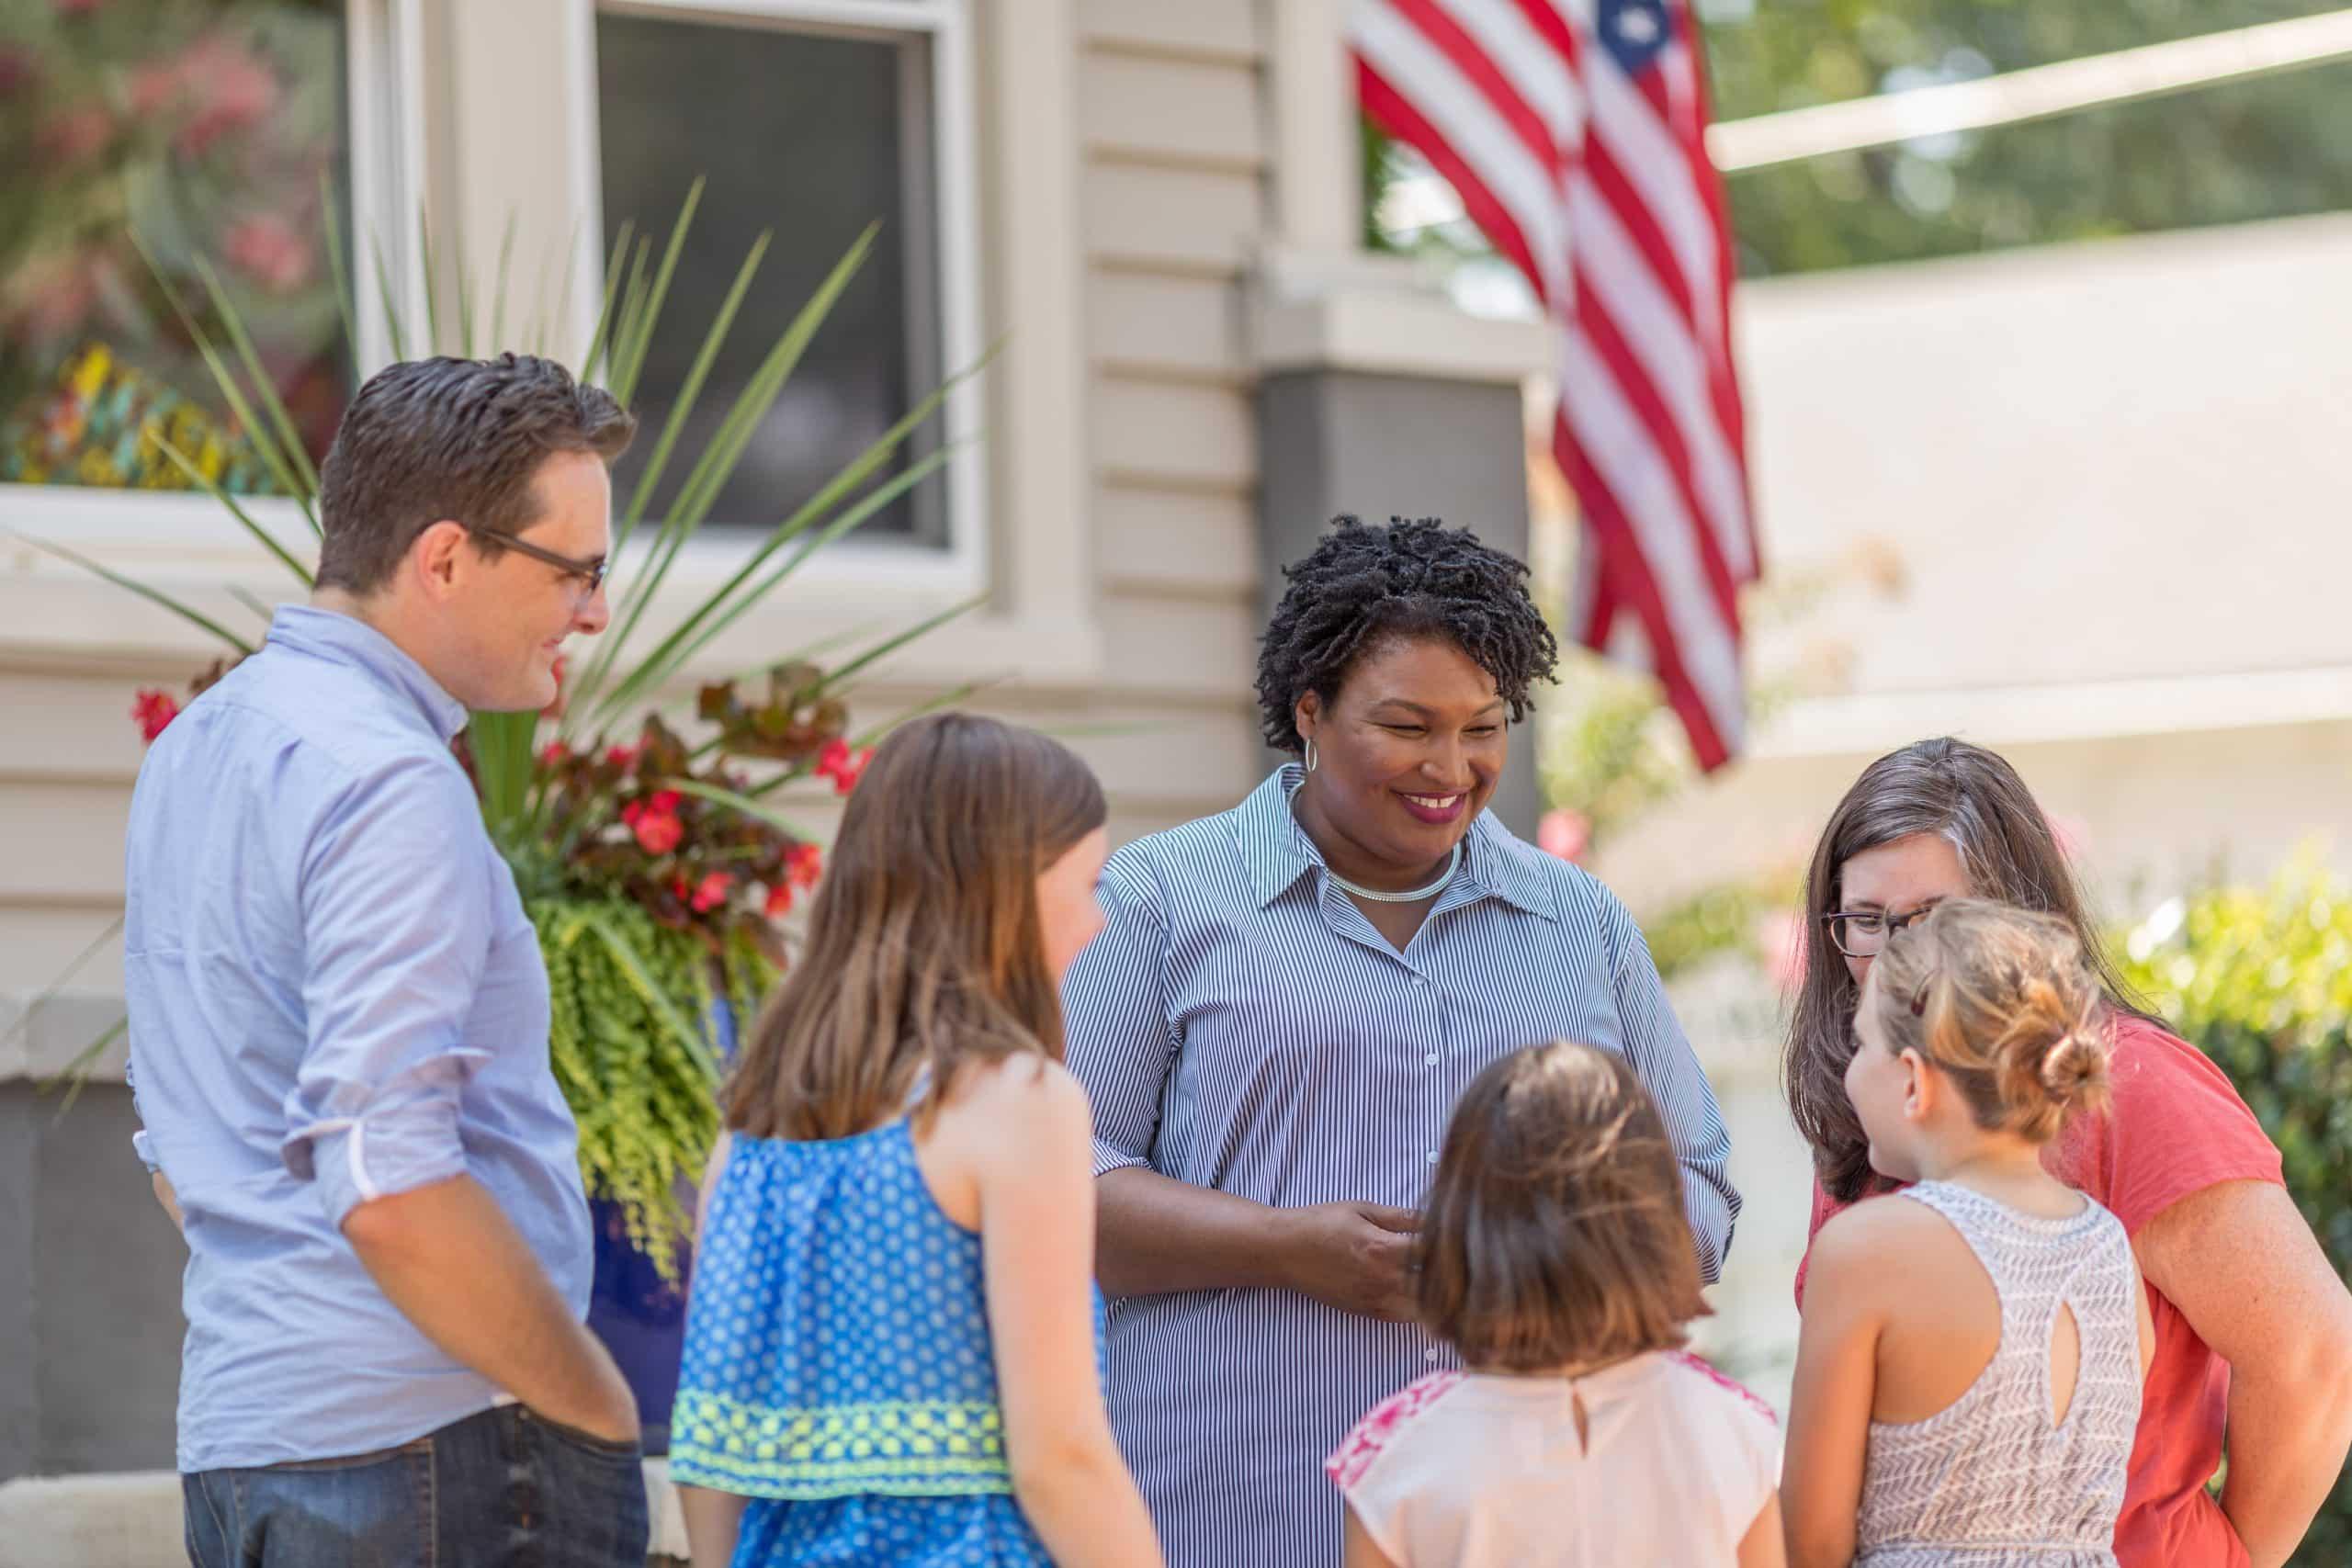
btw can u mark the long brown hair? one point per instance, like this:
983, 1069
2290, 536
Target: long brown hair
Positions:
1973, 799
2003, 1002
1555, 1233
925, 952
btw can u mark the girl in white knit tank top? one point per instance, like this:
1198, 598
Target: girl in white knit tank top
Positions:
1968, 1380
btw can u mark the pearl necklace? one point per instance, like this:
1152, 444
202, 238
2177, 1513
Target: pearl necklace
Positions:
1453, 865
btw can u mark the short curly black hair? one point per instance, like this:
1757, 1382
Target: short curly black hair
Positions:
1365, 584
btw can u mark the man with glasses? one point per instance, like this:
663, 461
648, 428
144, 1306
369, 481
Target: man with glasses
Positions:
339, 1020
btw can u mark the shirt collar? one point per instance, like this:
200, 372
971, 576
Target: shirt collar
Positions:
1277, 851
337, 638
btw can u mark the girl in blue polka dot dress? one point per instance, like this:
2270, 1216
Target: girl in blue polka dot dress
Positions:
893, 1348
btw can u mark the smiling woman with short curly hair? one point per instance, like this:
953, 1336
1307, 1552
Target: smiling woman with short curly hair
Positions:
1286, 1004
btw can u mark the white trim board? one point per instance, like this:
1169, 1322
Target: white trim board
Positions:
2065, 711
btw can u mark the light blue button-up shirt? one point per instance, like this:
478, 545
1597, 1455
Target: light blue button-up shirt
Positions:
1240, 1025
334, 996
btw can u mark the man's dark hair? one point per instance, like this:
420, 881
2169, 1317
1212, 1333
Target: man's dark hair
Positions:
462, 439
1365, 585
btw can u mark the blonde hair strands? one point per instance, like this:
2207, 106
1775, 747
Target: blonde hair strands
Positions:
2006, 1003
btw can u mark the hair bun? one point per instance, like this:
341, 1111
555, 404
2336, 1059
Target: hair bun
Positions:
2075, 1067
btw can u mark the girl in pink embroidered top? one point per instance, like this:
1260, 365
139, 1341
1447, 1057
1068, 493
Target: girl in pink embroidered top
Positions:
1554, 1255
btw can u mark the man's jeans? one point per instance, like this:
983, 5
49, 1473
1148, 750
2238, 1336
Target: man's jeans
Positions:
504, 1487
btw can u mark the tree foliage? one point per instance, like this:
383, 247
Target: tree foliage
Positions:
2264, 148
2260, 979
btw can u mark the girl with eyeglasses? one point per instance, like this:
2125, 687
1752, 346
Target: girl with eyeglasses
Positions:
2252, 1325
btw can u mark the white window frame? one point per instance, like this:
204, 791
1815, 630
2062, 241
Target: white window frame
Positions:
1011, 65
383, 61
958, 566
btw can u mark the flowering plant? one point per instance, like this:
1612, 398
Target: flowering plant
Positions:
210, 125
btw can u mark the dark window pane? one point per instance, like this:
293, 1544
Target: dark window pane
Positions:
810, 136
210, 126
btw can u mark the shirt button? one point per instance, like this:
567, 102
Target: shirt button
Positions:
1421, 979
1429, 1060
1432, 1156
1429, 1355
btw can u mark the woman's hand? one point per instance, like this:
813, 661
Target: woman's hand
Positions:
1160, 1235
1355, 1256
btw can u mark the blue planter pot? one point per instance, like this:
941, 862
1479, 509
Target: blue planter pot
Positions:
640, 1316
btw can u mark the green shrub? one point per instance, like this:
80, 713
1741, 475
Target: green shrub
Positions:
2261, 981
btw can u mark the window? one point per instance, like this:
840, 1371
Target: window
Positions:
809, 122
214, 130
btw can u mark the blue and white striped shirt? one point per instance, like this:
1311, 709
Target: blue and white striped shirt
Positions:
1241, 1026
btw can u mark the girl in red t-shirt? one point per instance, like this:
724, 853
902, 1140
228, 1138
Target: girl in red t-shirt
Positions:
2253, 1327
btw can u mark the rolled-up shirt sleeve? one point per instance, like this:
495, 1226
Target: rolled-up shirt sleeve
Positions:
1115, 1018
397, 923
1662, 1058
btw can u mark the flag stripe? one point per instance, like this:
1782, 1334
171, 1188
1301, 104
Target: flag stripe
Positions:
1625, 290
1627, 585
1478, 135
1392, 110
1657, 170
1686, 628
1433, 20
1504, 34
1633, 386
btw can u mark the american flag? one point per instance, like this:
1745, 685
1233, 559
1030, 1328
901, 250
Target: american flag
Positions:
1572, 132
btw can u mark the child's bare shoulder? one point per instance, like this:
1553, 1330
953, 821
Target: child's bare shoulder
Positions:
1871, 1248
1025, 1092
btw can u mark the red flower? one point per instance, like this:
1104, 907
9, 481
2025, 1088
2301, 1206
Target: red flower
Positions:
152, 87
267, 249
779, 901
657, 832
665, 800
621, 757
712, 891
230, 88
74, 135
804, 863
153, 710
842, 765
1566, 832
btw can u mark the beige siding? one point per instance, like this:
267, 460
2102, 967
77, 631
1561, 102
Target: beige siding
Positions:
1155, 326
1174, 207
1183, 114
66, 768
1173, 542
1221, 31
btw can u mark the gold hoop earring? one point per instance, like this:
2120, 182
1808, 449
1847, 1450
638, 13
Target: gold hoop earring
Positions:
1311, 754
